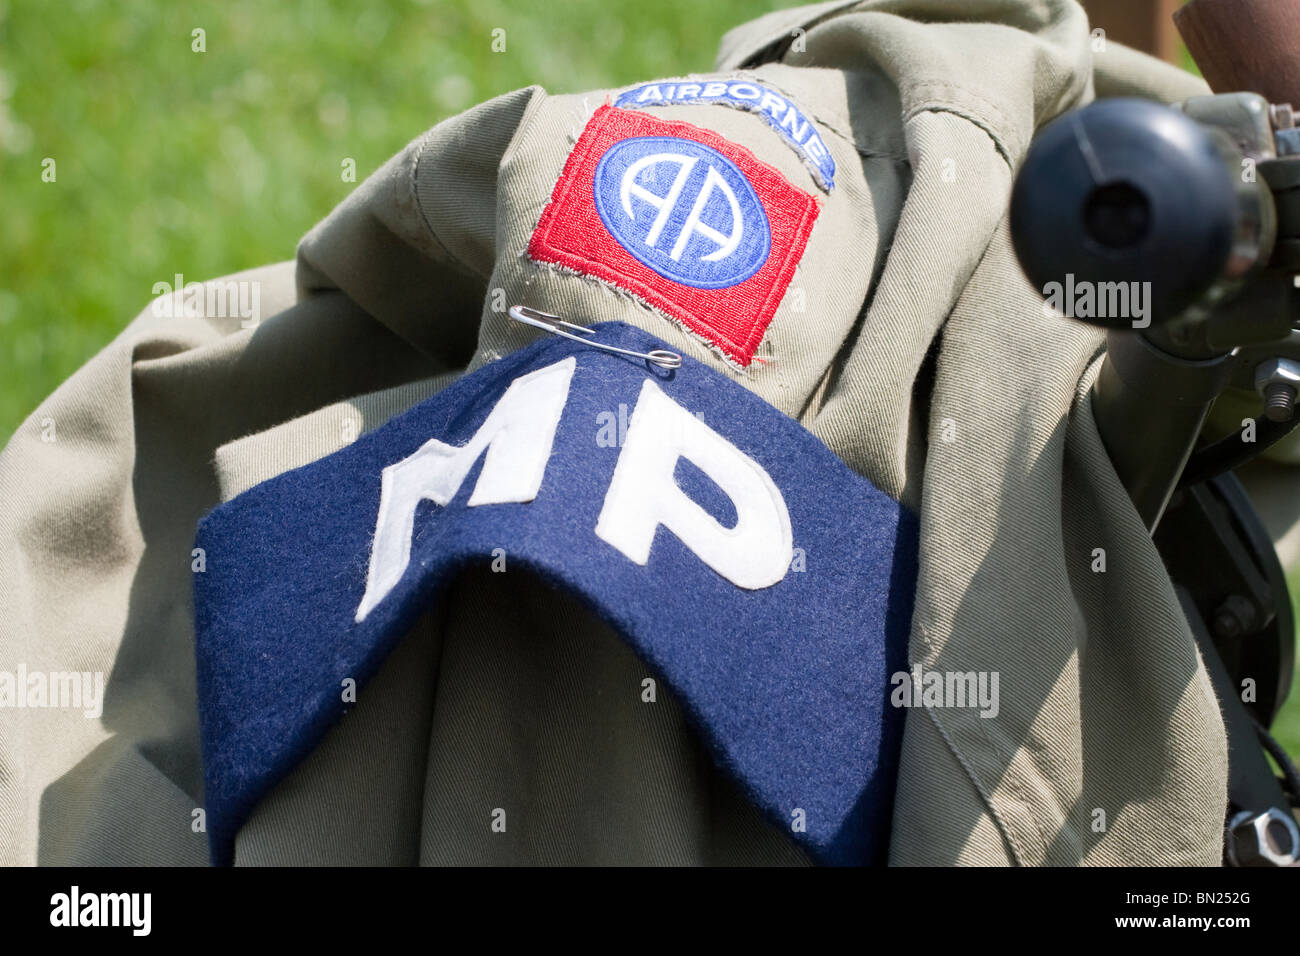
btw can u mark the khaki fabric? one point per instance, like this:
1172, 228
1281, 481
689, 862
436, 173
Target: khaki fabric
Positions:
909, 342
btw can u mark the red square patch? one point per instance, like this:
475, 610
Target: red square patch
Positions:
678, 216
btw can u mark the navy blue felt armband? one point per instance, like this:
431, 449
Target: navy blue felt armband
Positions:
769, 585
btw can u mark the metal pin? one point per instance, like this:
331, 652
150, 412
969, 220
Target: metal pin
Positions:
556, 326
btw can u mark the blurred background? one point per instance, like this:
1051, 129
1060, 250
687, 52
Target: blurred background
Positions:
169, 160
204, 163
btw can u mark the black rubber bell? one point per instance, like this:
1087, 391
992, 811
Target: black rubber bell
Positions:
1123, 190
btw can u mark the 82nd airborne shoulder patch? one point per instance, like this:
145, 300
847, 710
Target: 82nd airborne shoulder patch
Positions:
681, 218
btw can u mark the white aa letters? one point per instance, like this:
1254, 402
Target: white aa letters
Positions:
726, 244
643, 494
665, 204
662, 204
518, 435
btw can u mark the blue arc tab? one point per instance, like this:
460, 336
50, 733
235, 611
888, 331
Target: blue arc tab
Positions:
679, 536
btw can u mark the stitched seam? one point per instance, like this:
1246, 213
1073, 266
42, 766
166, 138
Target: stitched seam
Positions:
975, 782
795, 254
941, 106
1017, 852
413, 182
1011, 777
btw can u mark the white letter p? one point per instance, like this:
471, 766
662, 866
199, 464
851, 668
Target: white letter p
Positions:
643, 494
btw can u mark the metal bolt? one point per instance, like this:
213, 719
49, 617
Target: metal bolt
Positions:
1279, 402
1278, 380
1235, 617
1263, 839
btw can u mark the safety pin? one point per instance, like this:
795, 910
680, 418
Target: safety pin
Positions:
556, 326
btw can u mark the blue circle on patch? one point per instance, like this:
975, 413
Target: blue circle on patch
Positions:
682, 209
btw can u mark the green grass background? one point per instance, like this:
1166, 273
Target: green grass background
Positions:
1287, 727
206, 163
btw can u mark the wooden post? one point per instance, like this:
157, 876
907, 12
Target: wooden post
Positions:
1245, 45
1146, 25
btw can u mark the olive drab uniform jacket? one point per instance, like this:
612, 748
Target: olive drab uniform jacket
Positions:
381, 575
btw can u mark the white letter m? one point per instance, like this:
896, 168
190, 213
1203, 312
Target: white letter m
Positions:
517, 435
